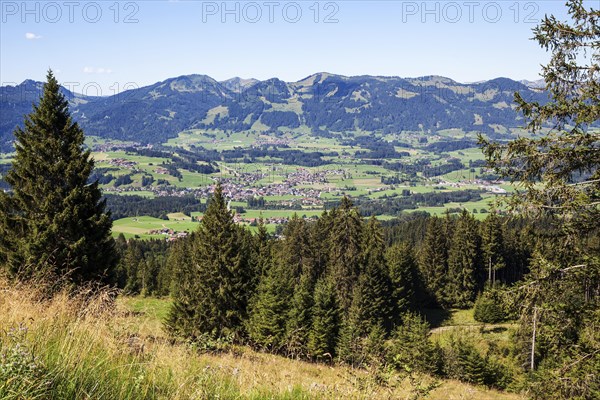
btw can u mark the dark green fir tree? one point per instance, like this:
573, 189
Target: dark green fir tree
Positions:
433, 259
300, 317
353, 329
269, 308
463, 262
53, 222
411, 348
323, 334
374, 281
403, 277
213, 294
178, 264
345, 249
492, 246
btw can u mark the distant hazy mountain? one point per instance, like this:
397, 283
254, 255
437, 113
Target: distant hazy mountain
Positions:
537, 84
238, 85
321, 102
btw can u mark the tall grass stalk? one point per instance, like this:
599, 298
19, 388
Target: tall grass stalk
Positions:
85, 345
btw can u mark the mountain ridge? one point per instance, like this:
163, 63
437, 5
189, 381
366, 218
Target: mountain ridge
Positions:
322, 103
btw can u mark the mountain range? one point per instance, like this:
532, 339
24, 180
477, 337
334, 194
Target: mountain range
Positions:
321, 103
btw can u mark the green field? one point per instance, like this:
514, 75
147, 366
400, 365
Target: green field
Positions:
139, 227
344, 174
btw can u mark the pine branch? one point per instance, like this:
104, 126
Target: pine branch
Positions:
588, 205
567, 367
552, 274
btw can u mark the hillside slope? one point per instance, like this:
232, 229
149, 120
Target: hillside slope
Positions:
89, 347
320, 103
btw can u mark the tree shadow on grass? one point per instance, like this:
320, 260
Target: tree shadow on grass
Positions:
436, 317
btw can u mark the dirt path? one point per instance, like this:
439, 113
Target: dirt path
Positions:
472, 326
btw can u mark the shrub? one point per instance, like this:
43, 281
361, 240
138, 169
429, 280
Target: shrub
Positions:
464, 362
488, 309
410, 347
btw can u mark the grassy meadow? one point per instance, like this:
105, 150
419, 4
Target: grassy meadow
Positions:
141, 226
89, 346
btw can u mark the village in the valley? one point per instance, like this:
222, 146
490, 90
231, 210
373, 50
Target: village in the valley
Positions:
273, 186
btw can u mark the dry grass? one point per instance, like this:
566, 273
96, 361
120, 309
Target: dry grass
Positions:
91, 347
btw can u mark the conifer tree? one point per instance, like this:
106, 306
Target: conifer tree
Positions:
374, 281
179, 263
352, 331
118, 275
559, 170
132, 260
323, 334
560, 174
517, 238
269, 309
295, 249
319, 243
312, 241
299, 320
463, 262
261, 254
403, 278
410, 346
345, 241
53, 222
164, 278
433, 259
360, 343
254, 255
492, 246
182, 319
488, 308
148, 274
214, 294
472, 365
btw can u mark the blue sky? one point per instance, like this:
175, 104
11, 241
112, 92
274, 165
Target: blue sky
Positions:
108, 46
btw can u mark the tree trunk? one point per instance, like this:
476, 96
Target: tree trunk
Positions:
532, 365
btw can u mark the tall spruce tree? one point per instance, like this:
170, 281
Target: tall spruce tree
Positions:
132, 263
560, 174
53, 222
374, 281
433, 259
261, 250
178, 263
492, 246
213, 296
299, 320
322, 337
269, 308
353, 330
345, 249
403, 277
182, 319
319, 243
463, 262
295, 249
118, 275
